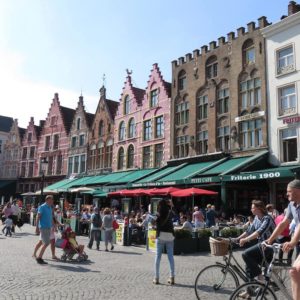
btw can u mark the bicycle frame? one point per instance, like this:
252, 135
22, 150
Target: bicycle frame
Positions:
235, 267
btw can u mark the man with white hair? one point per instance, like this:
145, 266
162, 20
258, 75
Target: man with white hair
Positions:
293, 213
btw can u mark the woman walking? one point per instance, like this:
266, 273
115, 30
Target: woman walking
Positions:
108, 228
164, 237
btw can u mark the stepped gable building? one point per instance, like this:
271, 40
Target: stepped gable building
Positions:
128, 128
53, 145
12, 152
5, 125
101, 137
78, 140
154, 148
29, 181
219, 96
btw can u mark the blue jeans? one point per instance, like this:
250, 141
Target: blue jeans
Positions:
159, 249
95, 235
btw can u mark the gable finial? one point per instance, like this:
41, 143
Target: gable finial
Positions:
128, 72
103, 80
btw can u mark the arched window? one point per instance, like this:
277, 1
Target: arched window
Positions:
122, 130
130, 157
131, 128
211, 67
248, 52
78, 124
101, 128
182, 80
126, 105
121, 159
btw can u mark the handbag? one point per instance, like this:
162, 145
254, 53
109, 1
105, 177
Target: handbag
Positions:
61, 243
166, 236
115, 225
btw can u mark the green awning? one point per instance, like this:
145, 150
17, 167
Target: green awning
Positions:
98, 193
94, 179
185, 172
59, 184
75, 182
135, 175
152, 178
109, 178
265, 174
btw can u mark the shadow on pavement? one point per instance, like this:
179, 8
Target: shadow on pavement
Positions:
124, 252
77, 269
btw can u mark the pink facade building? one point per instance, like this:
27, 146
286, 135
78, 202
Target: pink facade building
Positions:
28, 182
142, 125
54, 141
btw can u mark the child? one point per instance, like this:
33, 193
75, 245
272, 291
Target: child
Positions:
8, 225
74, 244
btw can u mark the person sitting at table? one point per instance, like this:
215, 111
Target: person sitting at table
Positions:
186, 224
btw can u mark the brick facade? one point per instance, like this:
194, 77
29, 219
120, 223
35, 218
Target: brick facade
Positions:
208, 105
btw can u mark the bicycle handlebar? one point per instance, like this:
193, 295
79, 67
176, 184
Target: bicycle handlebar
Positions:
273, 246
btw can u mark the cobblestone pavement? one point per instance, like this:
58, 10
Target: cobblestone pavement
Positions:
125, 273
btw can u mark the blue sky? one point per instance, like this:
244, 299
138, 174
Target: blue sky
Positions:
66, 46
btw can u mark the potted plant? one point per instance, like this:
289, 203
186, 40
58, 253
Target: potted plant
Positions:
184, 242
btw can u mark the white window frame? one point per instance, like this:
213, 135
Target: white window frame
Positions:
287, 68
281, 154
290, 111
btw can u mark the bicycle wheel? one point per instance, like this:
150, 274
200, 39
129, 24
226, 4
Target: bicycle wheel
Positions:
253, 290
213, 282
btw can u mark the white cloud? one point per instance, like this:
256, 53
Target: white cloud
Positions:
21, 98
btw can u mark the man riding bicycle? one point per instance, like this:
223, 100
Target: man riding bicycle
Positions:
293, 213
261, 229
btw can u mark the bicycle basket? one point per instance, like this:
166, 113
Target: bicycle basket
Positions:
218, 246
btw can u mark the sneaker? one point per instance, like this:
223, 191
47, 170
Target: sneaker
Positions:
155, 281
171, 280
41, 261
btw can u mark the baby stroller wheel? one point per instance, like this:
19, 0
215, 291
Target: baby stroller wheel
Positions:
85, 257
80, 259
63, 257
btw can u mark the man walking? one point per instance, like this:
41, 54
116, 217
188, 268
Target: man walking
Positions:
43, 226
293, 213
96, 224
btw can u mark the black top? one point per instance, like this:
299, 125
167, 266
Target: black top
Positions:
164, 224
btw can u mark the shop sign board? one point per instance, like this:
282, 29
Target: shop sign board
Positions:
254, 176
211, 179
120, 235
151, 240
163, 183
250, 116
291, 120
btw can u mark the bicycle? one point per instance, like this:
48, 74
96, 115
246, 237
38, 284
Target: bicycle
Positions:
220, 279
274, 281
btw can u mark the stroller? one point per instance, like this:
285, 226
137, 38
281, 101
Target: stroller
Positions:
70, 246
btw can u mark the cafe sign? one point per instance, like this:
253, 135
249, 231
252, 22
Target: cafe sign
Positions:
250, 116
253, 176
203, 180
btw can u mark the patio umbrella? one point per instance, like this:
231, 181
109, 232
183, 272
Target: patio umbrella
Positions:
133, 193
116, 193
164, 191
46, 192
192, 192
81, 189
28, 194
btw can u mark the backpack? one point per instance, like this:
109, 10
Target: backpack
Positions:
97, 221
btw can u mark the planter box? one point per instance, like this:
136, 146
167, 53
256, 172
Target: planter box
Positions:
185, 246
203, 244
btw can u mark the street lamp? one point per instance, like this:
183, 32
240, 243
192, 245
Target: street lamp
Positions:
43, 165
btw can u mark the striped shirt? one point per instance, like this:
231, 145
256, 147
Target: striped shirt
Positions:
263, 226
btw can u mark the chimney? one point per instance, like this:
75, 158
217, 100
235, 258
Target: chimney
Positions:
56, 96
293, 8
